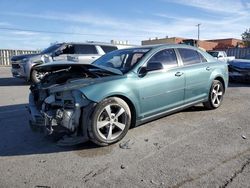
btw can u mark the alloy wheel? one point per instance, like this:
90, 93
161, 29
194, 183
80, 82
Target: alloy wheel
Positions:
217, 94
111, 122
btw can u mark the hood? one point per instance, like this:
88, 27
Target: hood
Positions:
240, 64
59, 65
20, 57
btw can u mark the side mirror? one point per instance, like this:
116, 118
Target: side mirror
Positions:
220, 56
151, 66
154, 65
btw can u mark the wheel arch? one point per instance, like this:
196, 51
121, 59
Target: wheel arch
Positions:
219, 78
131, 107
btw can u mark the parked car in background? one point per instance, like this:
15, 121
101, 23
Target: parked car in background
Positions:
221, 55
23, 65
239, 69
121, 89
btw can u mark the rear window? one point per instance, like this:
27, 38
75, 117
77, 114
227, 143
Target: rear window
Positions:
85, 49
108, 49
189, 56
203, 59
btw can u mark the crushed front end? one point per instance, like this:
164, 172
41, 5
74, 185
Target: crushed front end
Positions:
58, 114
57, 107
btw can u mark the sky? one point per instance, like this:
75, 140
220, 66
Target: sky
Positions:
35, 24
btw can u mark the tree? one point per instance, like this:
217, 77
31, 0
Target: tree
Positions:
246, 37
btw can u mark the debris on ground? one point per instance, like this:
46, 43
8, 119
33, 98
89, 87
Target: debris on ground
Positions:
122, 166
243, 136
157, 145
153, 182
42, 161
126, 145
146, 139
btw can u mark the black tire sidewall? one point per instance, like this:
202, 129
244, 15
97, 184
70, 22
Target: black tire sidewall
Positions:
95, 137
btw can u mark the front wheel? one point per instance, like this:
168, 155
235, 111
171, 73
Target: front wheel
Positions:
111, 120
36, 76
215, 95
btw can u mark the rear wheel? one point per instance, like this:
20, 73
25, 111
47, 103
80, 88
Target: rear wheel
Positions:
111, 120
215, 95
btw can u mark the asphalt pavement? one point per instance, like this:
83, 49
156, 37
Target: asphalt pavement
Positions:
192, 148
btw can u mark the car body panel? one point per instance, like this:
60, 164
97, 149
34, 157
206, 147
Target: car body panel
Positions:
152, 94
239, 70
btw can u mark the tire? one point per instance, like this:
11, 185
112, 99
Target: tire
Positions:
215, 97
35, 77
110, 121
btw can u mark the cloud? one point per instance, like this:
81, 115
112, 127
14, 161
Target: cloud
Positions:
24, 33
219, 6
5, 24
225, 20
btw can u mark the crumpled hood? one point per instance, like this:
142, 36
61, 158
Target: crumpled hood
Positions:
240, 64
20, 57
59, 65
74, 84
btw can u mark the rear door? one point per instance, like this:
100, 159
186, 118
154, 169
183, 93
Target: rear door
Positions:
197, 73
86, 53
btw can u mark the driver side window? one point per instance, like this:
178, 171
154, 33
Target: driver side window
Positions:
69, 49
167, 57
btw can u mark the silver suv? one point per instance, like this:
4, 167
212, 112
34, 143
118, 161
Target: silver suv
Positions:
22, 65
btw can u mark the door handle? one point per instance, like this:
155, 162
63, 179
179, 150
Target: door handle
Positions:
93, 57
179, 74
208, 68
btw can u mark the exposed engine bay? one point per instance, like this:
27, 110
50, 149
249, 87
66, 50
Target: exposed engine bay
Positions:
56, 105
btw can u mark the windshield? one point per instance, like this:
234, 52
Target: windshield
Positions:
123, 60
214, 54
51, 49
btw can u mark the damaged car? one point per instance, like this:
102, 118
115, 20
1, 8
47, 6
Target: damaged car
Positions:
239, 70
123, 89
23, 66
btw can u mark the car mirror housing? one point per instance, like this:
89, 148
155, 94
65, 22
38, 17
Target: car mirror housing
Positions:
154, 65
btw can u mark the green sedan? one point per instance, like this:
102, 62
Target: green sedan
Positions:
125, 88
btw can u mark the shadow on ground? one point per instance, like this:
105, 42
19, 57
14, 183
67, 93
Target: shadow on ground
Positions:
16, 137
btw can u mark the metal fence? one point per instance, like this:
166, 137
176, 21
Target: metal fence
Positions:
6, 54
238, 52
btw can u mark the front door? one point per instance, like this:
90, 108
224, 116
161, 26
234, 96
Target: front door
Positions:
162, 89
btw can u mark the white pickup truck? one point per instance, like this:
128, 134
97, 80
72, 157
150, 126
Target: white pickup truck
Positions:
221, 55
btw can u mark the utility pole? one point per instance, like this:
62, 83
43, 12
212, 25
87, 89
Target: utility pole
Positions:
198, 25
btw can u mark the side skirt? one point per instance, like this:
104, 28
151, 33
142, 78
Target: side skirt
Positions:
171, 111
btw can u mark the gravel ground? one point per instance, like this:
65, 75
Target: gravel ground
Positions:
192, 148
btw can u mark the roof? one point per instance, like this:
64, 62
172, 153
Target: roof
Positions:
94, 43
